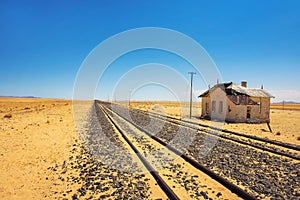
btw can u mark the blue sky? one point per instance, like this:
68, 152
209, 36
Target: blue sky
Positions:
43, 43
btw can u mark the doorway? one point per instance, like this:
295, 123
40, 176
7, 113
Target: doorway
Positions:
207, 108
248, 112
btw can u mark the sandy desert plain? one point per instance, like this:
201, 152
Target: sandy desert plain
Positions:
38, 137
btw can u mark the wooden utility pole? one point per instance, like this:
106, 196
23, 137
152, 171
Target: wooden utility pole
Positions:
191, 93
129, 97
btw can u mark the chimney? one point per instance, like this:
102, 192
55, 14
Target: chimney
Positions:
244, 83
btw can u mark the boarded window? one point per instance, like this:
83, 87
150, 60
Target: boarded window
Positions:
213, 108
221, 106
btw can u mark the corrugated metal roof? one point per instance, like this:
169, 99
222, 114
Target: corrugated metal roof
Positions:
219, 85
252, 92
232, 88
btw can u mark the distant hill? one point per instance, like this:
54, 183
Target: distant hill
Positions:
286, 102
19, 96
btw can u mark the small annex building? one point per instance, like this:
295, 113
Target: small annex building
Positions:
236, 103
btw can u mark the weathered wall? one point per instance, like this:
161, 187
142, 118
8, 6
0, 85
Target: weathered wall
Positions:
236, 112
204, 101
218, 95
261, 112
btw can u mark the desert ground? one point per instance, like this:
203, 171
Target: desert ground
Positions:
37, 136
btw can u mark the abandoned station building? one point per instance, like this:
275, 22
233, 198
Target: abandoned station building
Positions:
242, 104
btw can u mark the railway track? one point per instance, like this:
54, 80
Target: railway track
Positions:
274, 147
255, 182
163, 185
232, 187
278, 143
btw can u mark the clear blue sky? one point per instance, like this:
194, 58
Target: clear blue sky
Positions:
43, 43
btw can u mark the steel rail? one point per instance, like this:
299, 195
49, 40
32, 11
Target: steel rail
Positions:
289, 146
163, 185
229, 185
229, 138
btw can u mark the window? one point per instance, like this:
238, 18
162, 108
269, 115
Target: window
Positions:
221, 106
213, 108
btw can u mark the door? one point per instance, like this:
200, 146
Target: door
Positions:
206, 108
248, 112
